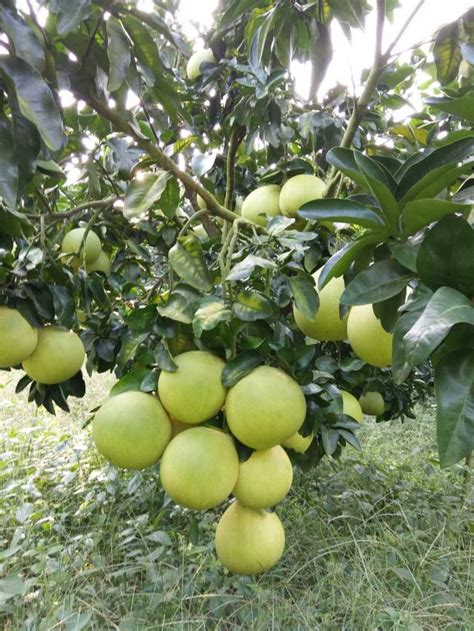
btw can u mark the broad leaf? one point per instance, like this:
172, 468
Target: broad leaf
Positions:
462, 106
447, 52
118, 52
239, 366
177, 308
421, 212
378, 282
400, 366
238, 8
143, 192
344, 160
341, 210
211, 312
244, 269
305, 295
8, 165
187, 259
340, 261
405, 253
169, 200
71, 14
381, 185
251, 306
25, 41
141, 379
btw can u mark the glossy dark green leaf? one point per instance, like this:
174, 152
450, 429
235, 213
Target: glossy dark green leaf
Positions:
454, 386
177, 308
237, 9
405, 253
239, 366
35, 100
447, 52
8, 165
340, 261
211, 312
463, 106
164, 359
305, 295
378, 282
118, 52
381, 185
387, 311
341, 210
251, 305
187, 259
71, 14
25, 41
169, 199
330, 438
401, 368
344, 160
140, 379
446, 256
421, 212
143, 192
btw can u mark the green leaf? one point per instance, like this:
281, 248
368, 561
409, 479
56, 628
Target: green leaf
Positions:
187, 259
238, 8
239, 366
447, 52
341, 210
446, 308
251, 305
381, 185
344, 160
177, 308
244, 269
377, 283
463, 106
305, 295
340, 261
211, 312
25, 41
8, 165
330, 438
446, 256
400, 366
201, 163
71, 14
421, 212
140, 379
35, 100
118, 52
259, 41
454, 387
169, 200
405, 253
143, 192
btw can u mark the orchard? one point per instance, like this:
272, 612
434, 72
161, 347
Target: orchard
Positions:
257, 270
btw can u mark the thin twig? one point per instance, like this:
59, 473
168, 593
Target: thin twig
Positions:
404, 28
67, 214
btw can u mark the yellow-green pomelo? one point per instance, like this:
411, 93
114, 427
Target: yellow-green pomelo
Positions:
372, 403
193, 68
298, 190
199, 468
194, 392
351, 406
131, 430
18, 338
100, 264
326, 324
369, 340
58, 356
265, 408
249, 541
72, 243
262, 201
298, 442
264, 479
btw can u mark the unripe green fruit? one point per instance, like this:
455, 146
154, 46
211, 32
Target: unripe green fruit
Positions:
372, 403
298, 443
199, 468
58, 356
326, 324
18, 338
101, 264
262, 201
249, 541
264, 479
265, 408
194, 392
131, 430
369, 340
201, 203
298, 190
193, 68
351, 406
72, 243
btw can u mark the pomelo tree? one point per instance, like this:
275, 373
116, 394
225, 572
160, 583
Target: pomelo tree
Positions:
122, 170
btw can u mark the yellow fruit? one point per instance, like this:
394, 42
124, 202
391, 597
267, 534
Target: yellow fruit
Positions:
351, 406
100, 264
298, 190
18, 338
249, 541
262, 201
298, 443
73, 240
264, 479
131, 430
368, 338
326, 324
193, 68
265, 408
372, 403
58, 356
194, 393
199, 468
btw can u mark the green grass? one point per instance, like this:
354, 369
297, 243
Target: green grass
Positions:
382, 540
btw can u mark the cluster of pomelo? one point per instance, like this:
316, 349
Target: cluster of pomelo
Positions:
86, 250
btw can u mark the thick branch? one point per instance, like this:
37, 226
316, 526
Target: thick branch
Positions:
235, 139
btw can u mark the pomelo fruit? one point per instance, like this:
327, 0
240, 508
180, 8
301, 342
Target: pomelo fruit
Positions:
194, 393
18, 338
131, 430
298, 190
372, 403
249, 541
265, 408
264, 479
262, 201
58, 356
100, 264
369, 340
298, 442
199, 468
73, 240
351, 406
326, 324
193, 68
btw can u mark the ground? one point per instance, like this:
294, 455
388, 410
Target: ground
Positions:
382, 540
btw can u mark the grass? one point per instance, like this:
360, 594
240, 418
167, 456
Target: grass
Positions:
382, 540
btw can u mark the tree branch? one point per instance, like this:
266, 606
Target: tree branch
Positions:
403, 29
67, 214
235, 139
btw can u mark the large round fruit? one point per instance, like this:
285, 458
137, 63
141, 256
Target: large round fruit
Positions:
298, 442
194, 392
131, 430
18, 338
249, 541
264, 479
298, 190
262, 201
265, 408
193, 68
199, 468
100, 264
351, 406
58, 356
369, 340
72, 242
372, 403
326, 324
